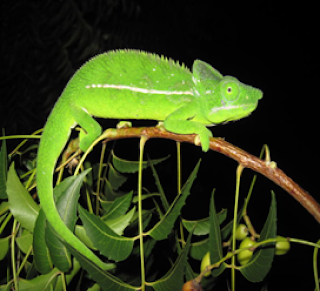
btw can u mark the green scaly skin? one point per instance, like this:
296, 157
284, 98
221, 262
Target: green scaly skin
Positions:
130, 84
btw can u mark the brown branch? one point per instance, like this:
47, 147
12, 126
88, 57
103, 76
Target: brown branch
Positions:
242, 157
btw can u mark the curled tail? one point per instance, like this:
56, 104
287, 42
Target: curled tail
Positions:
53, 140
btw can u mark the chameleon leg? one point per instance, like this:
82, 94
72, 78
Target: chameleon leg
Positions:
180, 121
91, 127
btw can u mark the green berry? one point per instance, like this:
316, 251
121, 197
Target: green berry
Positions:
282, 246
241, 232
205, 263
244, 257
246, 243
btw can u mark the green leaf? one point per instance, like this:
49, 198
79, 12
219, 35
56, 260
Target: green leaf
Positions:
202, 226
162, 229
163, 197
106, 281
39, 283
24, 241
45, 282
199, 249
115, 178
4, 247
260, 264
68, 192
3, 170
215, 243
118, 225
174, 278
95, 287
110, 244
118, 207
42, 259
125, 166
21, 204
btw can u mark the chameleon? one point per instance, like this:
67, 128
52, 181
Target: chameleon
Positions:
133, 84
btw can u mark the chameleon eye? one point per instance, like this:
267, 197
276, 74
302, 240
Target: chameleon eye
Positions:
230, 90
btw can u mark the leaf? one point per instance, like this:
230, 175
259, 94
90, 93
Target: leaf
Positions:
45, 282
80, 232
4, 247
118, 207
115, 178
25, 241
3, 170
201, 227
215, 243
68, 192
199, 249
106, 281
163, 197
162, 229
174, 278
260, 264
42, 259
118, 225
40, 283
21, 204
125, 166
95, 287
110, 244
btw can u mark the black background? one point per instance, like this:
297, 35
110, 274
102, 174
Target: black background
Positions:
268, 45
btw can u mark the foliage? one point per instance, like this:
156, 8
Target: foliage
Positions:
110, 220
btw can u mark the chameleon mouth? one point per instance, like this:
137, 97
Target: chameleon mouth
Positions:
231, 112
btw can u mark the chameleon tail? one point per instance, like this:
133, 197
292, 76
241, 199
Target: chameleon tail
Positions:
54, 138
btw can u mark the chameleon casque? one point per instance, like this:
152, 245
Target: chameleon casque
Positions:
131, 84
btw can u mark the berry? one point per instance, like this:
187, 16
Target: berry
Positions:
204, 263
192, 285
241, 232
282, 246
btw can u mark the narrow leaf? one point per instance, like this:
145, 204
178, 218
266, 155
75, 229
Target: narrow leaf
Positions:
68, 192
110, 244
3, 170
162, 229
42, 259
24, 241
106, 281
125, 166
163, 197
215, 243
115, 178
202, 226
21, 204
4, 247
260, 264
118, 225
174, 279
118, 207
199, 249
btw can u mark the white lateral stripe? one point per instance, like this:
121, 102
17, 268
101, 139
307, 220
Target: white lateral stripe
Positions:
217, 109
139, 90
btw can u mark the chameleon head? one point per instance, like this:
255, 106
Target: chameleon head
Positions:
233, 100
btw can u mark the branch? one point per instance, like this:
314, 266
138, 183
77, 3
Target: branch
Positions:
242, 157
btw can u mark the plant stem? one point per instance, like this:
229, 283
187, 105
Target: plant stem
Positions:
143, 279
315, 267
13, 256
235, 223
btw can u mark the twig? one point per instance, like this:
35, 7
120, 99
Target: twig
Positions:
242, 157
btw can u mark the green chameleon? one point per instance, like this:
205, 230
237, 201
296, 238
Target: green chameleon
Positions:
131, 84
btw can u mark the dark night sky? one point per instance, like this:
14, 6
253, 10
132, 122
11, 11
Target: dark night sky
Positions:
268, 45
